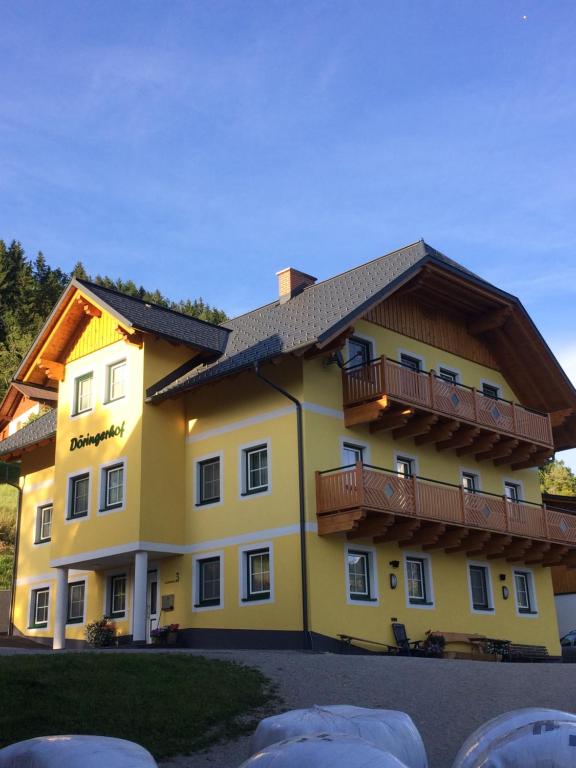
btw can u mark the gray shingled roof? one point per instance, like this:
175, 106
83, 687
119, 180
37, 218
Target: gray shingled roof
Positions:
311, 316
38, 430
153, 318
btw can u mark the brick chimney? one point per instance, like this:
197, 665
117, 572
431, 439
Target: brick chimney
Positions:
291, 282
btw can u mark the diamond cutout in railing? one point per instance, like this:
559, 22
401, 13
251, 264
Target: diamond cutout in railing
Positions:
563, 527
455, 400
389, 490
495, 413
486, 511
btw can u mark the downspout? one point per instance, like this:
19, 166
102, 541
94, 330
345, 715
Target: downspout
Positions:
307, 640
15, 564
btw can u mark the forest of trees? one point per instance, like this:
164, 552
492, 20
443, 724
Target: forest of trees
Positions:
29, 288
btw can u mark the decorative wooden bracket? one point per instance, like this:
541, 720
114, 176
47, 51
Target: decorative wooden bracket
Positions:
52, 369
88, 308
490, 322
132, 337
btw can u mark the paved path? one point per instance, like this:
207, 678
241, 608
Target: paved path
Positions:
447, 699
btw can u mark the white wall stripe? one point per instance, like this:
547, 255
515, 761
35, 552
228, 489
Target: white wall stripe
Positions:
184, 549
261, 418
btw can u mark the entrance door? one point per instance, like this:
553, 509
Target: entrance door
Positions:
152, 616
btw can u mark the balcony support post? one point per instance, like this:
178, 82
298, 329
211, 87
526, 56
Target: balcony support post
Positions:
475, 402
360, 483
507, 508
462, 504
415, 494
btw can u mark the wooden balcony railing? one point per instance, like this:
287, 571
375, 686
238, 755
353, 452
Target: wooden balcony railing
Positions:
385, 377
371, 489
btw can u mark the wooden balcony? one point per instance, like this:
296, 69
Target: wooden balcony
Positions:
368, 502
390, 396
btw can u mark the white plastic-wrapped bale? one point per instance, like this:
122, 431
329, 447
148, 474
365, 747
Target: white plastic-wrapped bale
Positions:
387, 729
75, 752
524, 738
323, 750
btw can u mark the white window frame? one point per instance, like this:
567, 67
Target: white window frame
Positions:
102, 489
198, 503
519, 484
243, 451
370, 340
75, 413
40, 587
109, 575
38, 541
531, 584
490, 384
403, 455
196, 560
476, 474
455, 371
491, 611
408, 353
374, 599
352, 442
76, 581
243, 552
430, 603
108, 382
109, 608
70, 477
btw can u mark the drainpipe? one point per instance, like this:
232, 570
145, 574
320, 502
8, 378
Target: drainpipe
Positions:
15, 564
307, 639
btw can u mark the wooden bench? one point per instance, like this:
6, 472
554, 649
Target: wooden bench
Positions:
519, 653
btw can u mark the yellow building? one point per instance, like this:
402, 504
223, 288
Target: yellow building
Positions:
359, 451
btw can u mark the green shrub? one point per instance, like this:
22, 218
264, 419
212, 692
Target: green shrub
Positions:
101, 633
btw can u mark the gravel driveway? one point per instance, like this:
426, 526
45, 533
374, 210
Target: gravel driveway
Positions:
447, 699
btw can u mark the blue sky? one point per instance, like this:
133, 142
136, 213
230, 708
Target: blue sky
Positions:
198, 147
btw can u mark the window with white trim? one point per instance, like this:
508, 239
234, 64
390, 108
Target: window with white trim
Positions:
257, 574
352, 454
78, 496
43, 524
411, 362
359, 352
490, 390
470, 482
512, 491
208, 586
118, 592
417, 580
39, 604
447, 374
112, 487
524, 589
209, 481
116, 381
480, 588
405, 466
360, 574
255, 468
76, 595
83, 393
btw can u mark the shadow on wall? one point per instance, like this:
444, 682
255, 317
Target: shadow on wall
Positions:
5, 595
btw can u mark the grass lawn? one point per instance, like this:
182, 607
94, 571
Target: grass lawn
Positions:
170, 703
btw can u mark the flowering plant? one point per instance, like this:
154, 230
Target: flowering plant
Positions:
101, 632
165, 630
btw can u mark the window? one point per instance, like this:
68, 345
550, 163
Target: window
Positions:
405, 466
359, 352
258, 574
351, 454
512, 491
409, 361
43, 524
470, 482
116, 381
360, 577
448, 375
256, 469
524, 592
209, 481
208, 577
76, 592
491, 390
39, 602
79, 494
479, 588
416, 579
118, 596
83, 393
113, 487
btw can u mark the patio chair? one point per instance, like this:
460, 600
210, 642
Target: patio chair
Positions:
406, 647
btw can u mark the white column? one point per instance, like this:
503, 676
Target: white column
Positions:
140, 595
61, 612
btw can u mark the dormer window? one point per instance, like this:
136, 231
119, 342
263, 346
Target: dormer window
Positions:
83, 393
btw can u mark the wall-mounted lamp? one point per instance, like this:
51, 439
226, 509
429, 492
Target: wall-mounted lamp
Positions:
505, 593
394, 563
502, 577
393, 581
